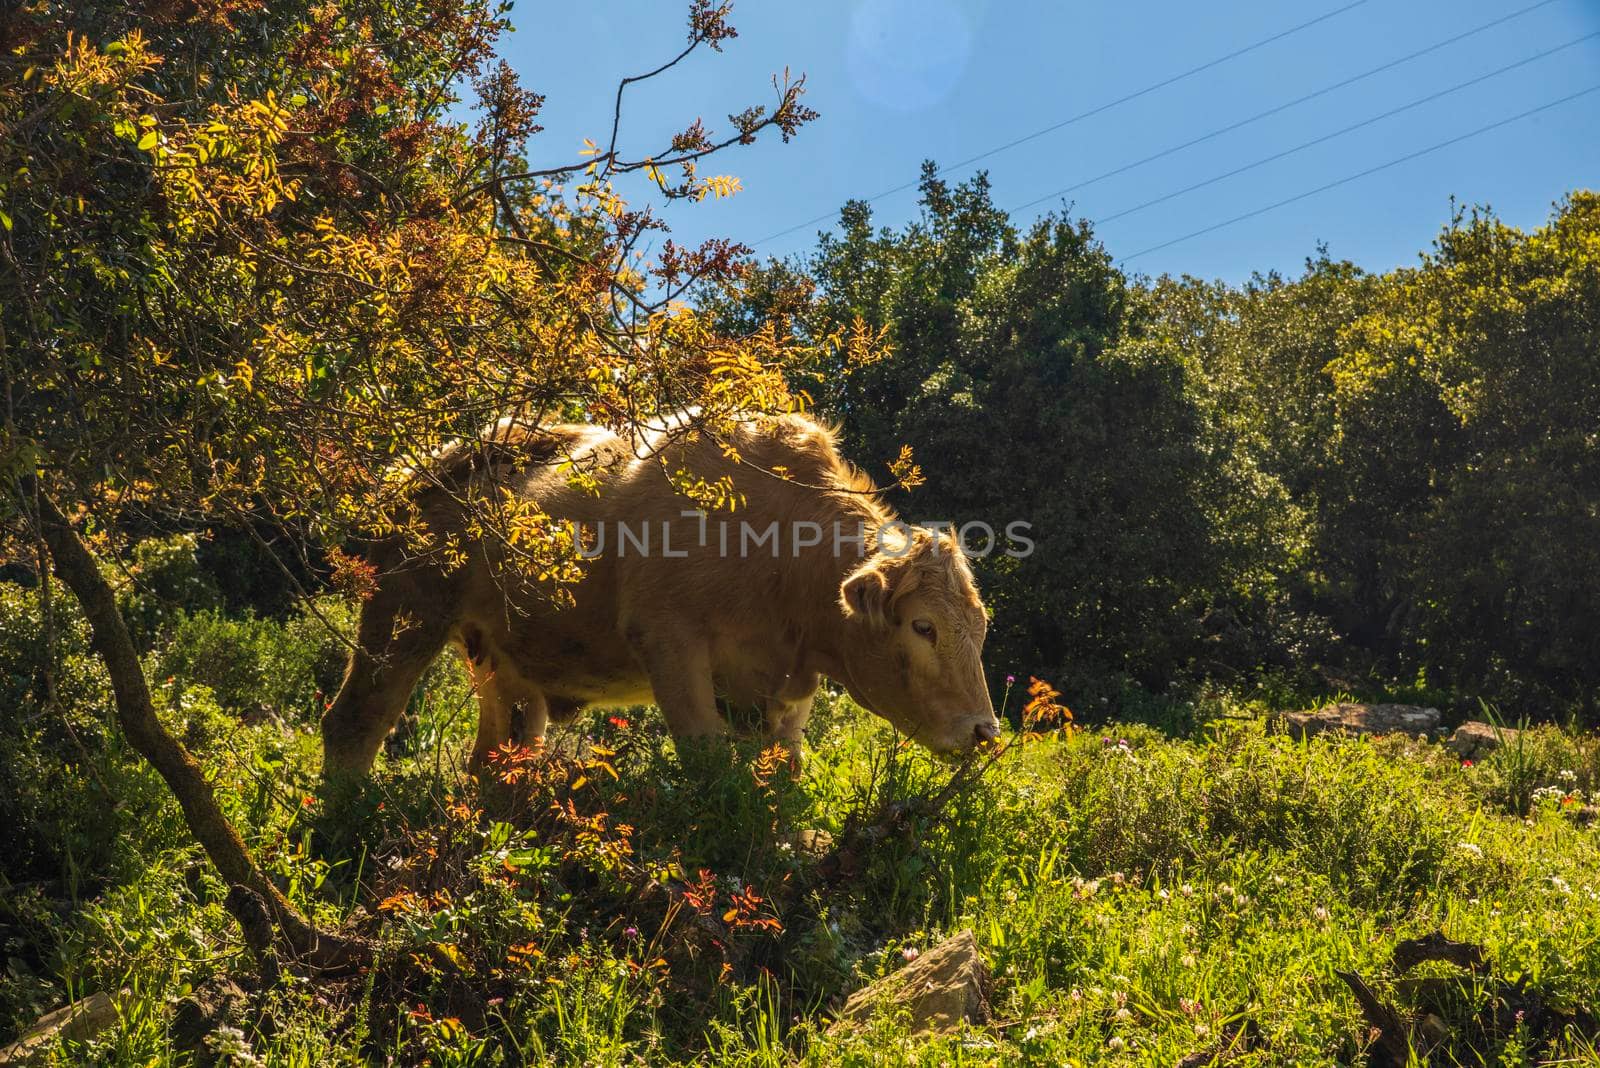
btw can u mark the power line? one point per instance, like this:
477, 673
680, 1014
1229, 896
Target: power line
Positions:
1086, 114
1263, 161
1363, 174
1296, 102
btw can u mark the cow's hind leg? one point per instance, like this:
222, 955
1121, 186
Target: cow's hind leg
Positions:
398, 637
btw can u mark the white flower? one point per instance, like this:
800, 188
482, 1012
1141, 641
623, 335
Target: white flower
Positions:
1320, 913
1470, 847
1123, 1015
1115, 1042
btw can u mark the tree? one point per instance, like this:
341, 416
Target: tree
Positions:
251, 268
1467, 400
1034, 382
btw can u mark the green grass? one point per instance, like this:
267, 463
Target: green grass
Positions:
1135, 895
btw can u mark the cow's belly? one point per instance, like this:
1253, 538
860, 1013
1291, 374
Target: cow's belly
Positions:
589, 665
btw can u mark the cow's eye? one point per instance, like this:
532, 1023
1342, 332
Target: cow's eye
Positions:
923, 627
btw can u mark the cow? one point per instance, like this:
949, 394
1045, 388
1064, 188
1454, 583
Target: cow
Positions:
722, 618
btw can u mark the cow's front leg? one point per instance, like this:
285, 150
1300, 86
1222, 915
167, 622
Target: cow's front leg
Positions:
679, 669
506, 713
786, 724
393, 648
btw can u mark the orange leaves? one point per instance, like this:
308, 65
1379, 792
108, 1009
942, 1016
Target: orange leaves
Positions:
352, 576
746, 909
773, 759
749, 909
1042, 712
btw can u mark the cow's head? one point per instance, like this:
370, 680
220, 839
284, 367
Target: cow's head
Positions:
913, 650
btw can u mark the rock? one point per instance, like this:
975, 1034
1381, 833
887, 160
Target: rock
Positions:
943, 987
1352, 718
1476, 739
79, 1022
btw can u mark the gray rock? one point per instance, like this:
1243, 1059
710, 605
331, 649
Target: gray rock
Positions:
1350, 717
79, 1021
1474, 739
944, 987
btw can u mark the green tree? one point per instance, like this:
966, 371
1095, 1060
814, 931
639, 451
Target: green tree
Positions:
1467, 405
1032, 381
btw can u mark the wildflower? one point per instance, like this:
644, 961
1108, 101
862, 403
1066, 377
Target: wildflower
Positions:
1123, 1015
1189, 960
910, 953
1116, 1042
1320, 913
630, 933
1186, 890
1466, 763
1470, 847
1011, 680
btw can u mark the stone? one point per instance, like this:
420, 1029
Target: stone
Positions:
944, 987
1475, 739
1350, 717
79, 1022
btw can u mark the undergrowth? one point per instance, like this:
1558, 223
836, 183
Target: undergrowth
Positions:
607, 899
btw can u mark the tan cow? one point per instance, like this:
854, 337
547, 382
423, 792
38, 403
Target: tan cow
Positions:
749, 606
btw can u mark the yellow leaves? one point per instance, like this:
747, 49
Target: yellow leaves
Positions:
719, 185
84, 70
719, 495
588, 149
907, 473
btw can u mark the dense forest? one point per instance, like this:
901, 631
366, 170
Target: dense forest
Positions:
1343, 480
258, 260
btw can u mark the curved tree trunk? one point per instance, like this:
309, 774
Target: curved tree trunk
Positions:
136, 716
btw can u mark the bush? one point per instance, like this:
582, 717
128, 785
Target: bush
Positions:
254, 666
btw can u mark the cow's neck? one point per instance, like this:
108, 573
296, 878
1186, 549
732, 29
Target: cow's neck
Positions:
826, 631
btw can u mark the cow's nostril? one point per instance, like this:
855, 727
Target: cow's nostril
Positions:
986, 732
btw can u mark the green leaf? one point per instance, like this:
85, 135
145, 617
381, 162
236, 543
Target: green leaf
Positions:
148, 141
5, 220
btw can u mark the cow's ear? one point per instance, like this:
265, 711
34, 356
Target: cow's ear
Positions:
866, 594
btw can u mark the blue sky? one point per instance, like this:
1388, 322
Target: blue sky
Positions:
899, 81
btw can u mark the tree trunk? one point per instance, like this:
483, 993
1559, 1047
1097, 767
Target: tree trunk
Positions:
136, 715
